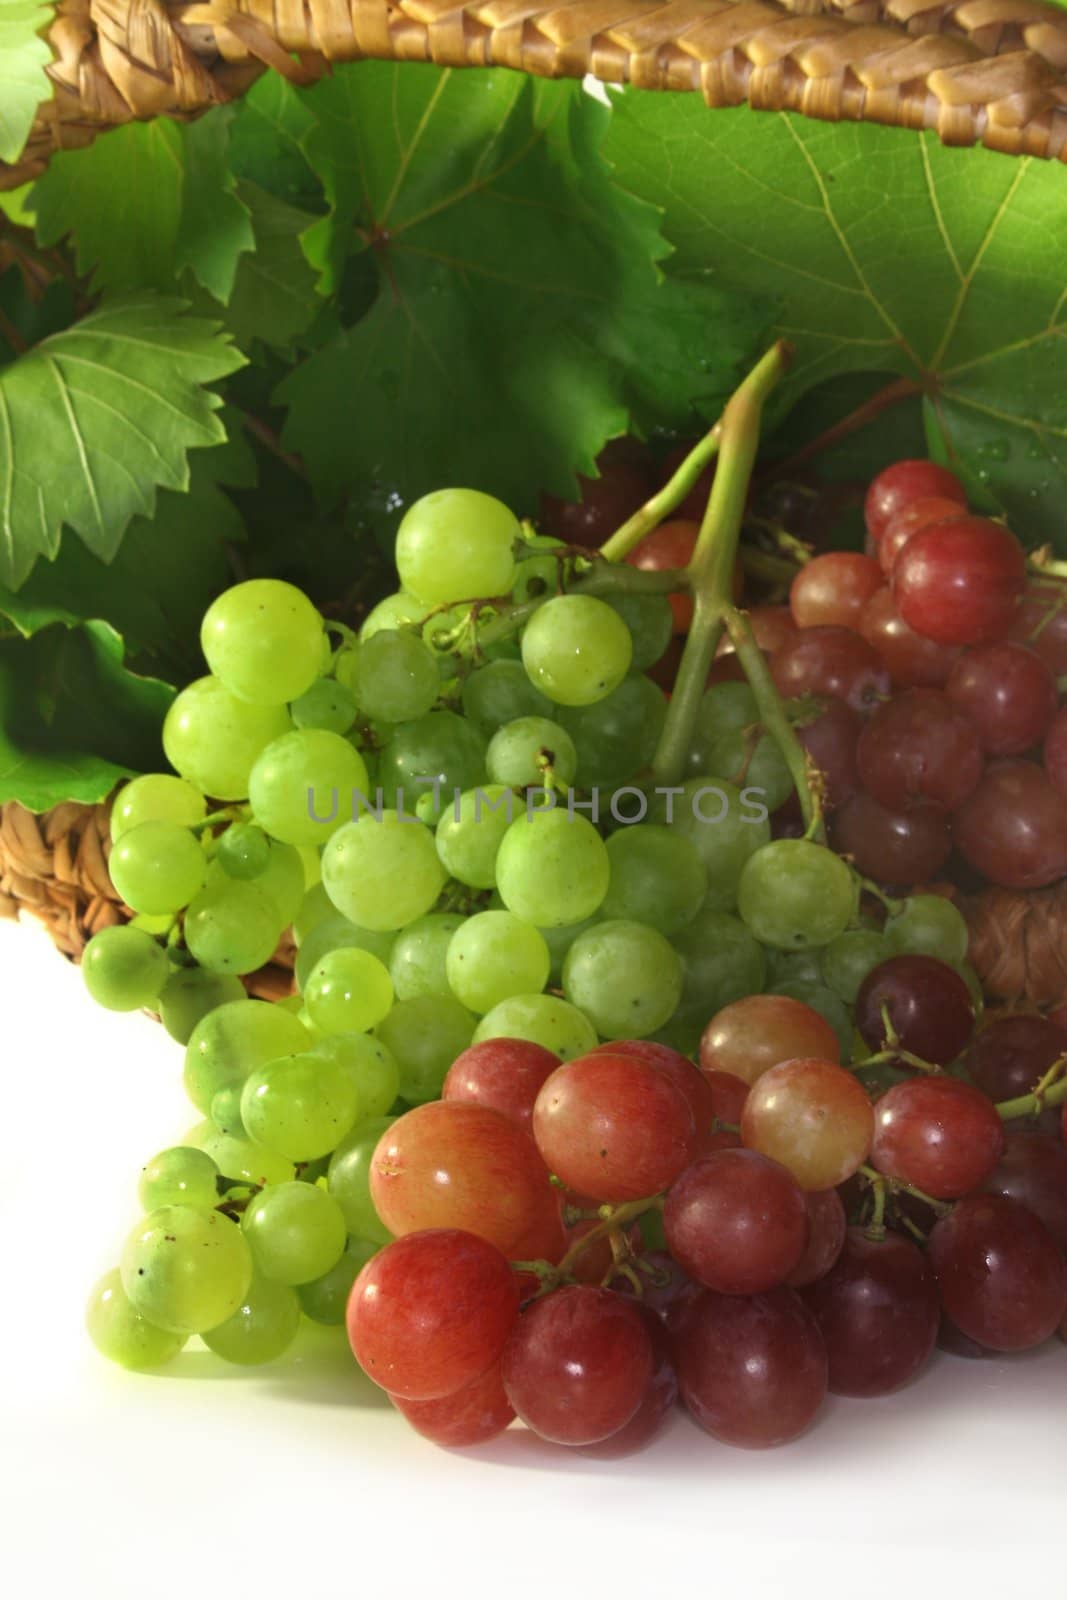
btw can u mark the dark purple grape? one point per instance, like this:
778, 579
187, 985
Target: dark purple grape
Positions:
1033, 1171
659, 1398
1003, 1278
878, 1311
736, 1222
1012, 1055
928, 1004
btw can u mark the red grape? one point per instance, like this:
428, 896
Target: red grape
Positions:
913, 662
605, 503
950, 1338
578, 1364
736, 1222
919, 750
658, 1400
751, 1035
676, 1068
1011, 1055
903, 482
595, 1261
878, 1311
929, 1005
826, 1236
813, 1117
430, 1313
830, 740
960, 582
1008, 693
751, 1370
1033, 1171
728, 1095
906, 522
891, 846
669, 545
833, 589
1003, 1279
938, 1134
472, 1415
504, 1074
772, 627
1013, 827
1041, 622
1055, 753
831, 661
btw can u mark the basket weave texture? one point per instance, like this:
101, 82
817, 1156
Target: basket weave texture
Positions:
991, 72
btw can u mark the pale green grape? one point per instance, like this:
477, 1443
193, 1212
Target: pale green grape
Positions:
226, 1112
500, 692
179, 1176
311, 862
650, 622
552, 868
928, 925
243, 850
724, 708
371, 1066
232, 926
542, 1019
559, 941
262, 1328
617, 737
796, 895
296, 1232
846, 960
624, 977
394, 611
263, 639
190, 993
243, 1161
829, 1005
121, 1333
470, 831
538, 571
576, 649
156, 797
300, 1107
397, 677
314, 908
429, 760
494, 956
425, 1035
157, 867
721, 962
124, 969
325, 1299
212, 738
305, 785
382, 874
417, 963
456, 544
335, 932
441, 632
327, 704
520, 751
186, 1270
348, 1180
232, 1041
282, 880
349, 991
726, 825
657, 877
755, 755
793, 966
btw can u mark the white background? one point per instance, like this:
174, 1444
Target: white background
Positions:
297, 1480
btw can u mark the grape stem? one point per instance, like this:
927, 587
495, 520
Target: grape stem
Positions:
1051, 1091
898, 1186
875, 1229
773, 717
665, 500
613, 1218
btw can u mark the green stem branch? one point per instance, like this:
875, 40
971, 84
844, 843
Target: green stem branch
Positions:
775, 721
664, 501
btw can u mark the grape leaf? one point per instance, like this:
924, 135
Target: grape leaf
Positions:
24, 55
96, 417
274, 295
888, 253
521, 318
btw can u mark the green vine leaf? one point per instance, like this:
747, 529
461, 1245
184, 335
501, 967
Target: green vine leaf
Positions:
887, 253
24, 55
95, 418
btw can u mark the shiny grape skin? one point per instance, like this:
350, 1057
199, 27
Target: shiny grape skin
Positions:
749, 1036
1003, 1279
878, 1310
827, 1226
736, 1222
676, 1068
728, 1095
913, 662
1011, 1055
752, 1370
956, 1343
1055, 753
891, 846
473, 1415
960, 582
613, 1128
906, 522
1013, 827
813, 1117
831, 740
938, 1134
898, 485
577, 1364
833, 589
1041, 622
1033, 1171
919, 750
661, 1393
504, 1074
431, 1313
929, 1007
831, 661
1009, 694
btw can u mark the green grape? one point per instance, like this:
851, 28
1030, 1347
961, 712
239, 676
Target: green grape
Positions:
846, 960
243, 850
397, 677
382, 873
417, 964
306, 785
325, 1299
724, 708
190, 993
624, 977
726, 824
315, 907
617, 737
501, 692
721, 962
576, 649
657, 877
470, 831
431, 758
335, 932
793, 966
456, 544
395, 611
226, 1112
424, 1036
311, 861
796, 895
552, 868
650, 622
755, 755
121, 1333
538, 572
349, 991
232, 927
157, 867
232, 1041
928, 925
282, 880
348, 1180
156, 797
494, 956
296, 1232
829, 1005
180, 1176
441, 632
371, 1066
559, 941
542, 1019
243, 1161
327, 704
261, 1329
213, 739
124, 969
520, 751
300, 1107
186, 1270
263, 639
